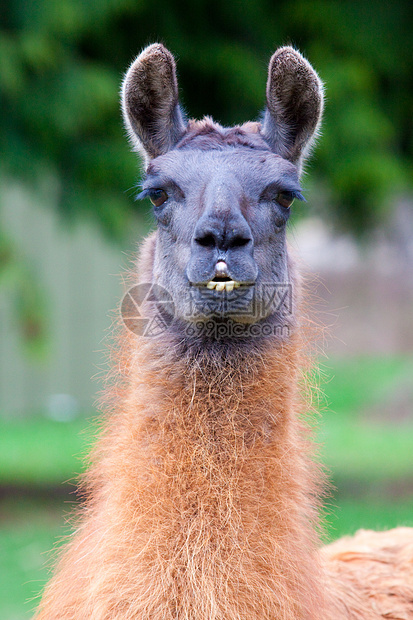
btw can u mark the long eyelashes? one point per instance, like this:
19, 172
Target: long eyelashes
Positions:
286, 199
157, 196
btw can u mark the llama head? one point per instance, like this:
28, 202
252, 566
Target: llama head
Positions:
222, 196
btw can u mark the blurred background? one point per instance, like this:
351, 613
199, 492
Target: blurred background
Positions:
69, 224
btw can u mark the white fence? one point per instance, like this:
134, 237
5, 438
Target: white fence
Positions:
79, 271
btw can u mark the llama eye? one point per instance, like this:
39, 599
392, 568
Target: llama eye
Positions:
285, 199
157, 197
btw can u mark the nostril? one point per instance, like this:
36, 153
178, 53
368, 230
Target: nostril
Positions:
206, 241
239, 242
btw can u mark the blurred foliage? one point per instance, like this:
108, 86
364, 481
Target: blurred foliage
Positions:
62, 62
29, 301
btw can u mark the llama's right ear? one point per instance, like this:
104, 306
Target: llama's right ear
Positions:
294, 105
150, 105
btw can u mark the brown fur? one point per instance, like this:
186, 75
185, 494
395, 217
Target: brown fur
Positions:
372, 574
207, 135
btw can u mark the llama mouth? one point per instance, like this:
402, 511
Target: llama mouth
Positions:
222, 281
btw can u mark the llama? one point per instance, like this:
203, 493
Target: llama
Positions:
201, 500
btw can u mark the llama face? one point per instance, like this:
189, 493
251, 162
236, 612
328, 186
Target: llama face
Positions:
222, 215
221, 196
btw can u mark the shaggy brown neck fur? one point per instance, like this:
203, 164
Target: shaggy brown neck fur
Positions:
205, 465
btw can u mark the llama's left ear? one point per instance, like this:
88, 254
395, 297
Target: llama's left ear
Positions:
150, 105
294, 105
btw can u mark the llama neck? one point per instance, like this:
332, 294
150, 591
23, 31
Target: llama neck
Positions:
221, 478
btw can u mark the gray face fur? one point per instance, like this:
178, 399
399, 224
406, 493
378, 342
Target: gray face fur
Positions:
221, 195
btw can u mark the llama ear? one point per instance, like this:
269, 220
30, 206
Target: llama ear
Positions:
150, 105
294, 105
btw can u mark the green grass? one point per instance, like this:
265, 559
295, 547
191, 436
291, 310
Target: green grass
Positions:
42, 451
28, 533
367, 450
345, 516
369, 455
351, 384
361, 431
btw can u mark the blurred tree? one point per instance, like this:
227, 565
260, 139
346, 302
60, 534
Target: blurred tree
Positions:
28, 299
61, 63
